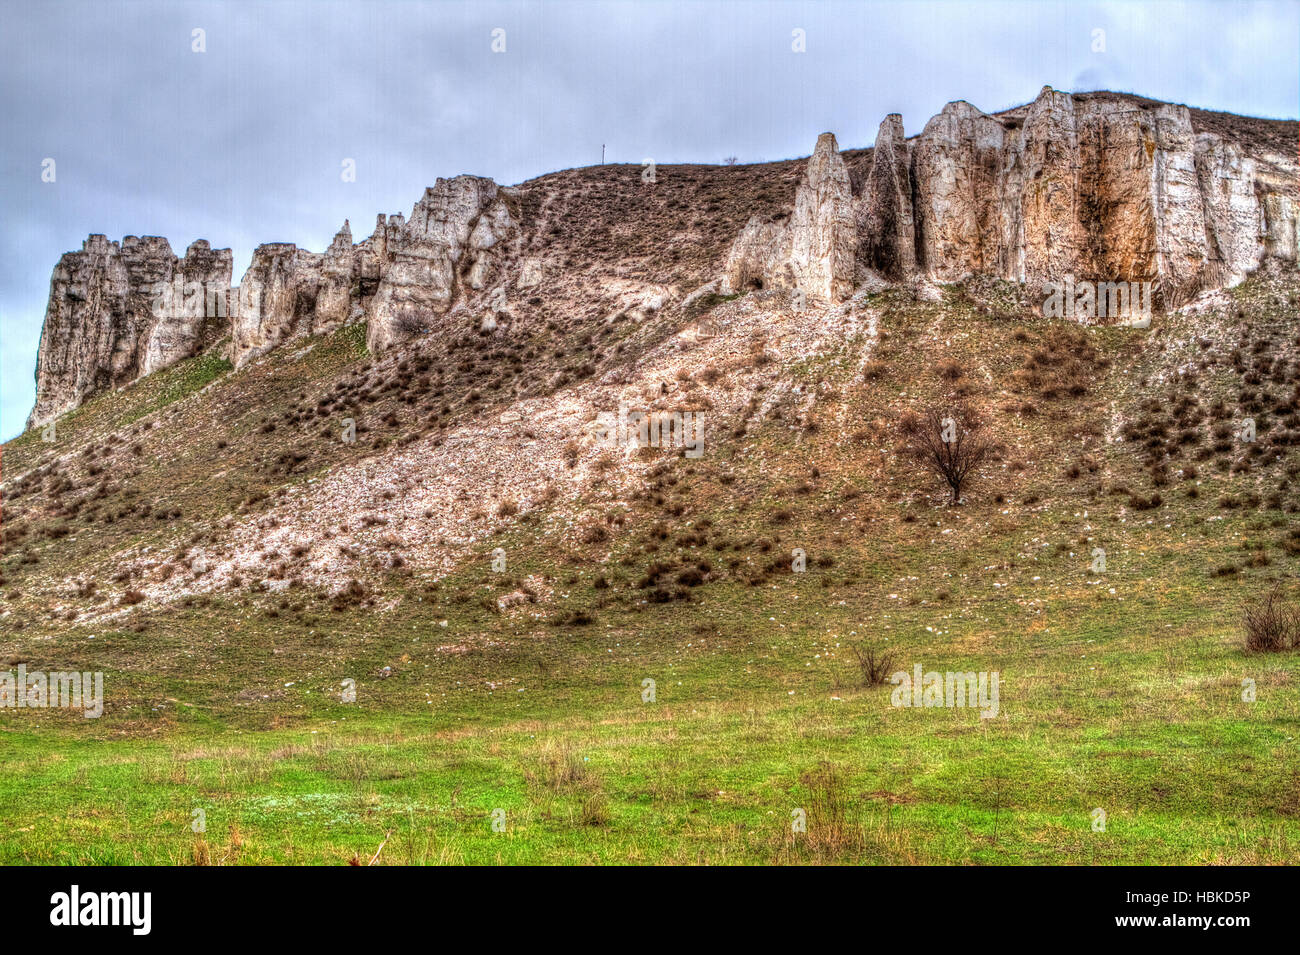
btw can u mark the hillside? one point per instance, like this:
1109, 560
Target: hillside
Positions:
209, 536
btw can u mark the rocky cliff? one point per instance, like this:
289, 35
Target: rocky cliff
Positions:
1090, 187
288, 292
409, 272
118, 311
1099, 186
446, 249
815, 249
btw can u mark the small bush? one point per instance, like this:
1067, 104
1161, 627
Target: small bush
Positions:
951, 370
690, 578
594, 534
874, 666
1271, 624
874, 370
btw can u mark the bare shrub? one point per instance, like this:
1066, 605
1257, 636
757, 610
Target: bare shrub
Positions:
595, 810
832, 828
1271, 624
594, 534
948, 442
874, 666
951, 370
563, 769
874, 370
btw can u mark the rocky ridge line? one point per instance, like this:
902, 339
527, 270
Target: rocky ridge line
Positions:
1069, 186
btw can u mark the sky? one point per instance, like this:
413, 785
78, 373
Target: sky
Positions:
245, 141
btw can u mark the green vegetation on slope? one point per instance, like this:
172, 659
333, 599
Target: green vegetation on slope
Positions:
1122, 689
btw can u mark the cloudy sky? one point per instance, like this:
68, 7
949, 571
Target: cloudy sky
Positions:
244, 143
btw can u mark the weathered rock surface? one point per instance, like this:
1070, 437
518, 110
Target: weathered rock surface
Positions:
758, 257
447, 247
1085, 187
1106, 187
289, 292
409, 272
118, 311
816, 249
1096, 188
885, 222
957, 166
277, 299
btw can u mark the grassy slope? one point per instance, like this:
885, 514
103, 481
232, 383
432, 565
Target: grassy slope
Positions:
1128, 701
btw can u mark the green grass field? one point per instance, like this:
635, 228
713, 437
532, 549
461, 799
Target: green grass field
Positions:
1130, 702
1120, 691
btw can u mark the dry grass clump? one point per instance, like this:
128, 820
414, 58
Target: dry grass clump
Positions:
1271, 624
874, 665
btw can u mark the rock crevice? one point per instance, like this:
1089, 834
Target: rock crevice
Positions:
815, 250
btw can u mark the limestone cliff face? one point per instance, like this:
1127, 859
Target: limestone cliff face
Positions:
816, 249
956, 170
1096, 188
1106, 187
289, 292
118, 311
1101, 188
446, 248
885, 219
409, 272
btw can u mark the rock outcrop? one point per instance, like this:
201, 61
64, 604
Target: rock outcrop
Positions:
815, 251
1096, 188
885, 221
289, 292
956, 167
446, 249
409, 272
1086, 187
1102, 187
118, 311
